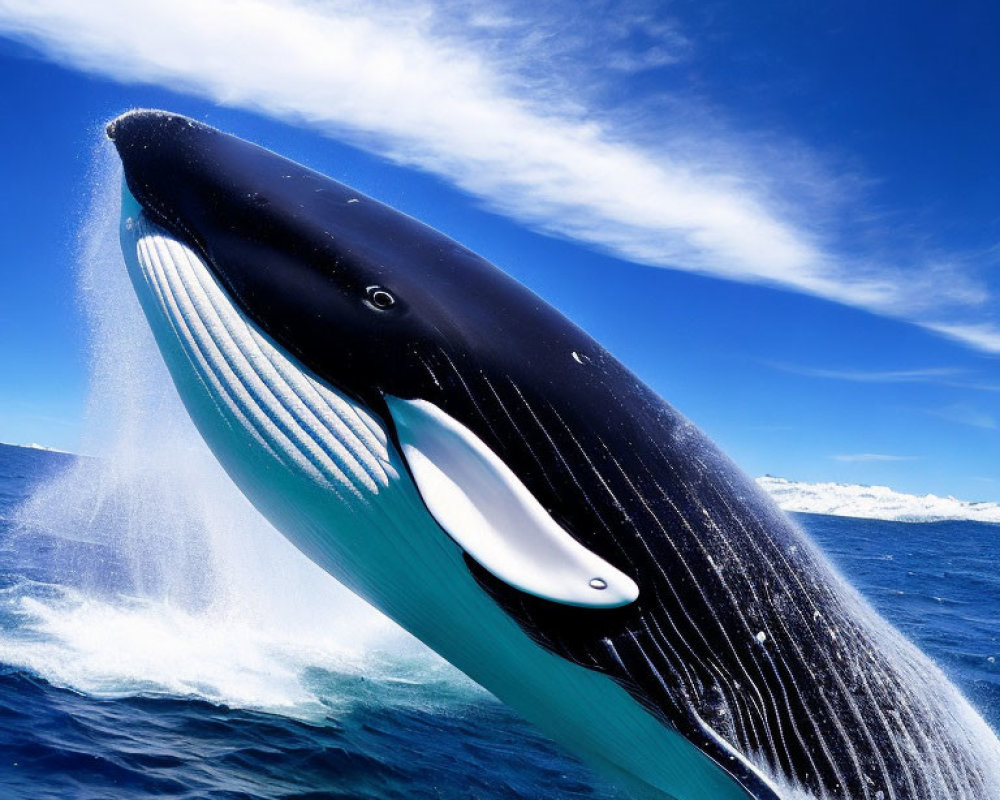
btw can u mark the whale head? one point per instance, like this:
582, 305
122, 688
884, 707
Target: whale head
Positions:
385, 311
461, 455
310, 261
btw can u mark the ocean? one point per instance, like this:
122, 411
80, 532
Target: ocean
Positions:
143, 655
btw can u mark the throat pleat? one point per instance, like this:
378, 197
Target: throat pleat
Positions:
295, 416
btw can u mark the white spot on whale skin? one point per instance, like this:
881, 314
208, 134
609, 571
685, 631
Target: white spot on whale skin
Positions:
580, 358
353, 200
761, 637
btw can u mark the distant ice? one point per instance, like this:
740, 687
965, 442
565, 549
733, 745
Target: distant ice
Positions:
36, 446
873, 502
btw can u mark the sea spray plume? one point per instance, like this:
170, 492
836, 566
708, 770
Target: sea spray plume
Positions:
120, 499
457, 452
168, 579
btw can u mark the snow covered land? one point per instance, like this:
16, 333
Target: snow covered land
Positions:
873, 502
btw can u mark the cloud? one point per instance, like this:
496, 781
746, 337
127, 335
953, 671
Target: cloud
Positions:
942, 376
925, 375
431, 89
983, 336
870, 457
967, 415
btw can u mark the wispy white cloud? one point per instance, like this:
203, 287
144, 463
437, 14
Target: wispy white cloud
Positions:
983, 335
414, 85
870, 457
964, 414
942, 376
924, 375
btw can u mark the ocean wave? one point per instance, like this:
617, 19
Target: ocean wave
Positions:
125, 647
873, 502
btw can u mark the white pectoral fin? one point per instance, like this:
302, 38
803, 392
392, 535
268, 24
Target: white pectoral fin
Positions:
489, 512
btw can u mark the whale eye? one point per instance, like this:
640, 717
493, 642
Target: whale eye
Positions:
380, 298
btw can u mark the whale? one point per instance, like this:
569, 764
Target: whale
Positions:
458, 453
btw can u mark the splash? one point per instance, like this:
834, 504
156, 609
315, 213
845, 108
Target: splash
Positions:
159, 575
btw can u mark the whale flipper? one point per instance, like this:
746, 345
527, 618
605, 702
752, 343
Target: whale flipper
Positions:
491, 514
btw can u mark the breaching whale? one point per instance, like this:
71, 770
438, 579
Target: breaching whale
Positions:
458, 453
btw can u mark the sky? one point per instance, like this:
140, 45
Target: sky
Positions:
781, 215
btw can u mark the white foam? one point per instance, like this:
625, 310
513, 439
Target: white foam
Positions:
873, 502
136, 646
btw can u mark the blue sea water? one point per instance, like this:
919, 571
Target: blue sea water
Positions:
121, 680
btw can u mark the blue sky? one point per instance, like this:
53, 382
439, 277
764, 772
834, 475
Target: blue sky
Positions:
781, 215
